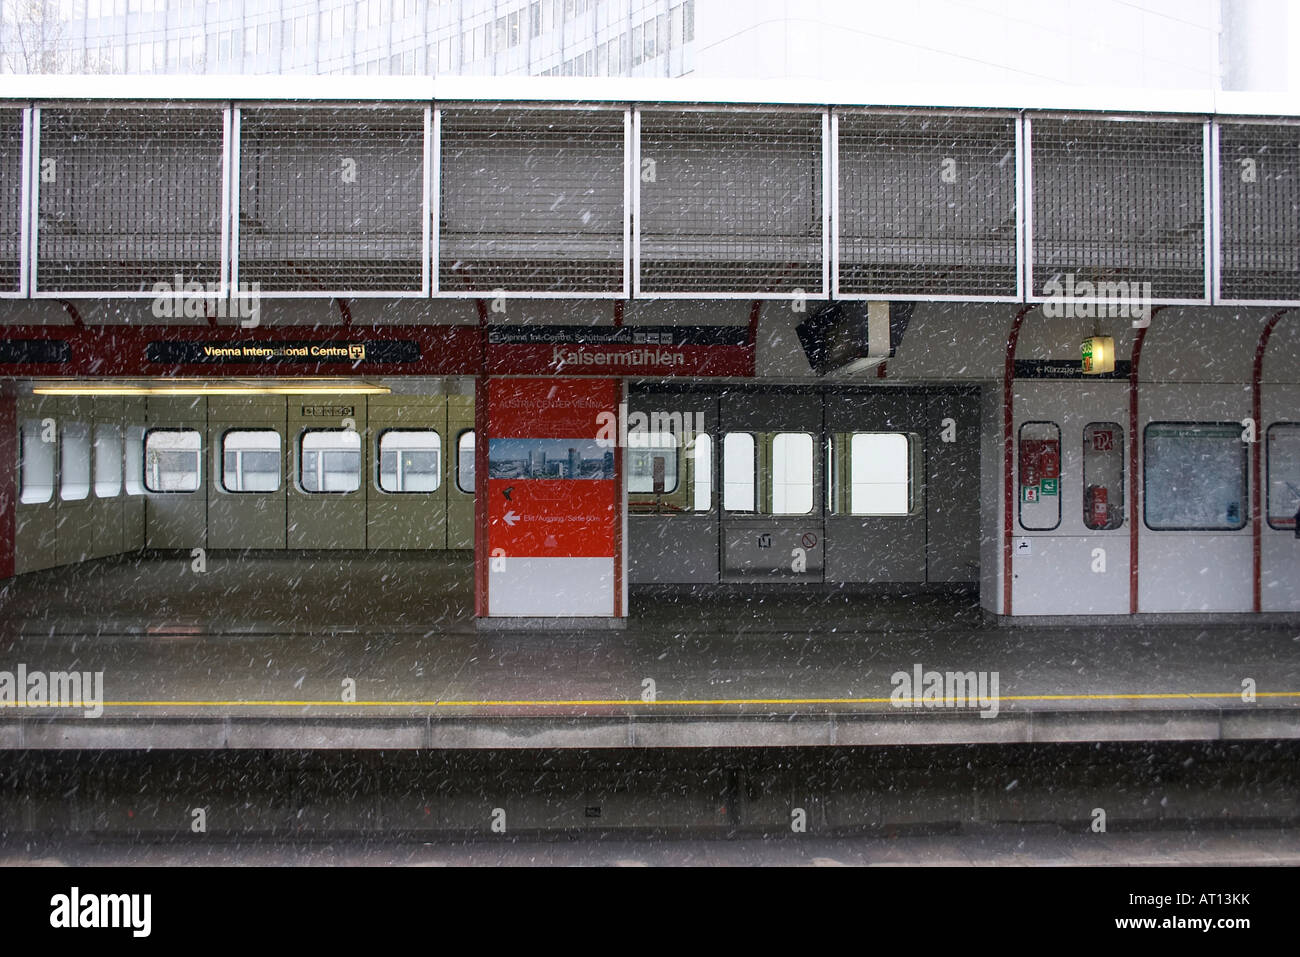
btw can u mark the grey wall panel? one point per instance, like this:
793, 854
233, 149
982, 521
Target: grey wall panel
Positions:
178, 519
406, 519
326, 519
952, 501
246, 519
460, 503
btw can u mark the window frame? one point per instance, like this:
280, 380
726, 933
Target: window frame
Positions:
754, 490
361, 482
911, 443
89, 428
95, 480
379, 472
1123, 476
1060, 492
812, 470
144, 461
221, 475
53, 484
1267, 480
460, 436
1245, 484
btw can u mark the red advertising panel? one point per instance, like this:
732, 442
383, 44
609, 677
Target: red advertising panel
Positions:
549, 497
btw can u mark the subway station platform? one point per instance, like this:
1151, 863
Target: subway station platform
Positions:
380, 650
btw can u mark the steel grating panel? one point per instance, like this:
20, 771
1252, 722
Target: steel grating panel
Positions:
1119, 202
128, 198
731, 202
11, 199
1259, 195
532, 201
927, 205
331, 200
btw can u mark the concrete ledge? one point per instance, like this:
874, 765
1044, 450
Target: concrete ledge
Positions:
643, 731
550, 624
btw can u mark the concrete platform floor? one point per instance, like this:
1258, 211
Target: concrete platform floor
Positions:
263, 650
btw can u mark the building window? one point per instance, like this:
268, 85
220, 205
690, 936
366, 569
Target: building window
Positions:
133, 460
792, 473
703, 449
1283, 474
250, 460
172, 460
410, 460
738, 467
330, 461
36, 464
652, 463
880, 473
1194, 476
108, 461
465, 462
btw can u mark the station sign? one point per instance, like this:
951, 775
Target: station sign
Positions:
222, 352
649, 351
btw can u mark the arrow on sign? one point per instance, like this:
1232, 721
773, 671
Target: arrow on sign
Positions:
511, 517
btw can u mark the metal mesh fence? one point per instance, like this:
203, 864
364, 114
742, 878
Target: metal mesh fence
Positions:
532, 201
128, 197
331, 199
731, 202
1119, 202
927, 205
1259, 193
11, 198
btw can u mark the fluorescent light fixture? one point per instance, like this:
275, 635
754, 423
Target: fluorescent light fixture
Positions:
307, 387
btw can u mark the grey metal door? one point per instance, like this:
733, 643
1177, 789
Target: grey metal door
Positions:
772, 486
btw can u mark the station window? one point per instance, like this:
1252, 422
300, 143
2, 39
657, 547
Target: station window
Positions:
465, 462
108, 461
880, 473
133, 460
738, 468
250, 460
1194, 476
1103, 476
331, 460
74, 459
410, 460
1038, 470
172, 460
792, 473
652, 463
36, 464
702, 448
1283, 474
